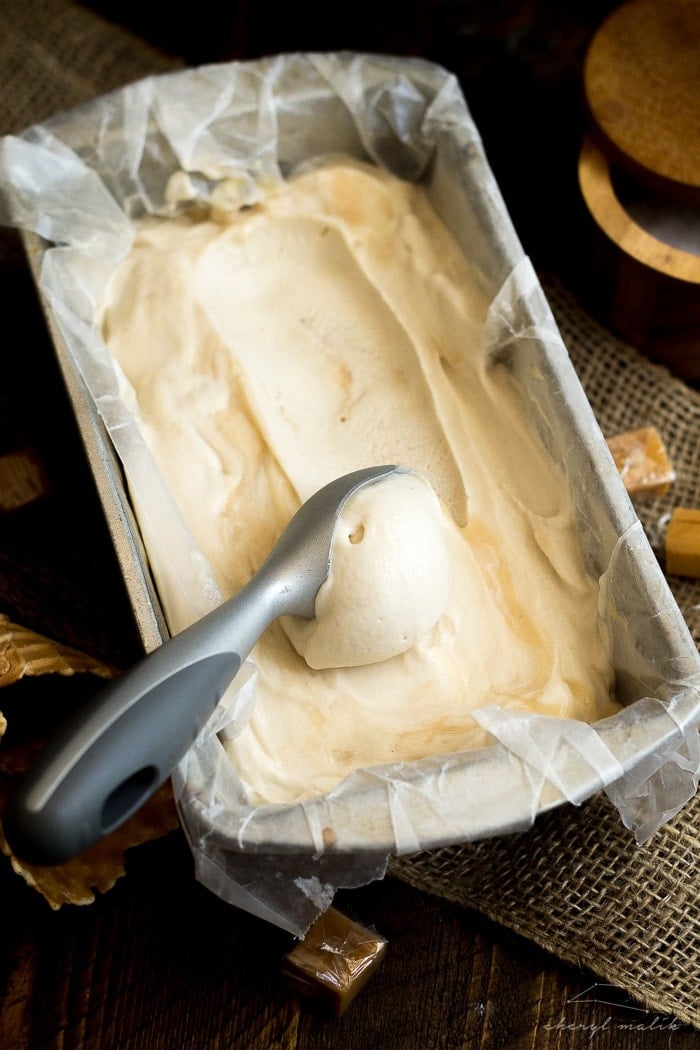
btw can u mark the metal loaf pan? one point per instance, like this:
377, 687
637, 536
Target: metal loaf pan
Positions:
371, 107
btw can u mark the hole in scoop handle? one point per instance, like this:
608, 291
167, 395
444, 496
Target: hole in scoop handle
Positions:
113, 756
115, 753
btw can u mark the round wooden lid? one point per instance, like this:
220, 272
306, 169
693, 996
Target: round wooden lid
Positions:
642, 86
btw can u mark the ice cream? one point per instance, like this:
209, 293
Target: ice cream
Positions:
336, 324
389, 577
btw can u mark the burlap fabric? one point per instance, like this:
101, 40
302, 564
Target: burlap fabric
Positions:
576, 883
55, 54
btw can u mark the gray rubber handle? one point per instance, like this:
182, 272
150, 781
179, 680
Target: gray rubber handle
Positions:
115, 754
109, 759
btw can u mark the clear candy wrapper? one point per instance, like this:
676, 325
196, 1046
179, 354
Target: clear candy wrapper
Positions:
77, 182
642, 460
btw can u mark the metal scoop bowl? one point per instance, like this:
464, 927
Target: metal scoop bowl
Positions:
110, 758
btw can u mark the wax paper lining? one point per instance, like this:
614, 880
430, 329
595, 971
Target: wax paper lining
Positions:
78, 180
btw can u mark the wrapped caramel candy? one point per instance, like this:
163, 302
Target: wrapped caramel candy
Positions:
334, 961
683, 543
641, 458
23, 479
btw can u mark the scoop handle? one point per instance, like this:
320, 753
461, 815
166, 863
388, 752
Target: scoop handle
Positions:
114, 754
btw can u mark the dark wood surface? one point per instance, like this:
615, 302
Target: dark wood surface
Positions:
159, 963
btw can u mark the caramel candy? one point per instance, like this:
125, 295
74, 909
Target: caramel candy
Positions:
334, 961
683, 543
22, 479
642, 461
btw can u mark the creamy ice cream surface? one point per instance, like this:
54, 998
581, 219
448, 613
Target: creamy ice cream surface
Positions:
335, 325
389, 577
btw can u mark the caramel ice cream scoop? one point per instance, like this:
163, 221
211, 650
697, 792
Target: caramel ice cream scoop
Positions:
388, 582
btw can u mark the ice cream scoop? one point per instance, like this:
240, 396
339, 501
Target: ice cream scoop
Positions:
389, 578
108, 760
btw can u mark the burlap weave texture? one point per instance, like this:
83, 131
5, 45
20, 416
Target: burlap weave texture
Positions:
55, 54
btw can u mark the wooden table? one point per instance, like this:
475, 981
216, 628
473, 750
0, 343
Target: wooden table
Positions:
159, 963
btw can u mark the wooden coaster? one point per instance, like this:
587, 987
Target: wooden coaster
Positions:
642, 87
641, 80
653, 289
604, 204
